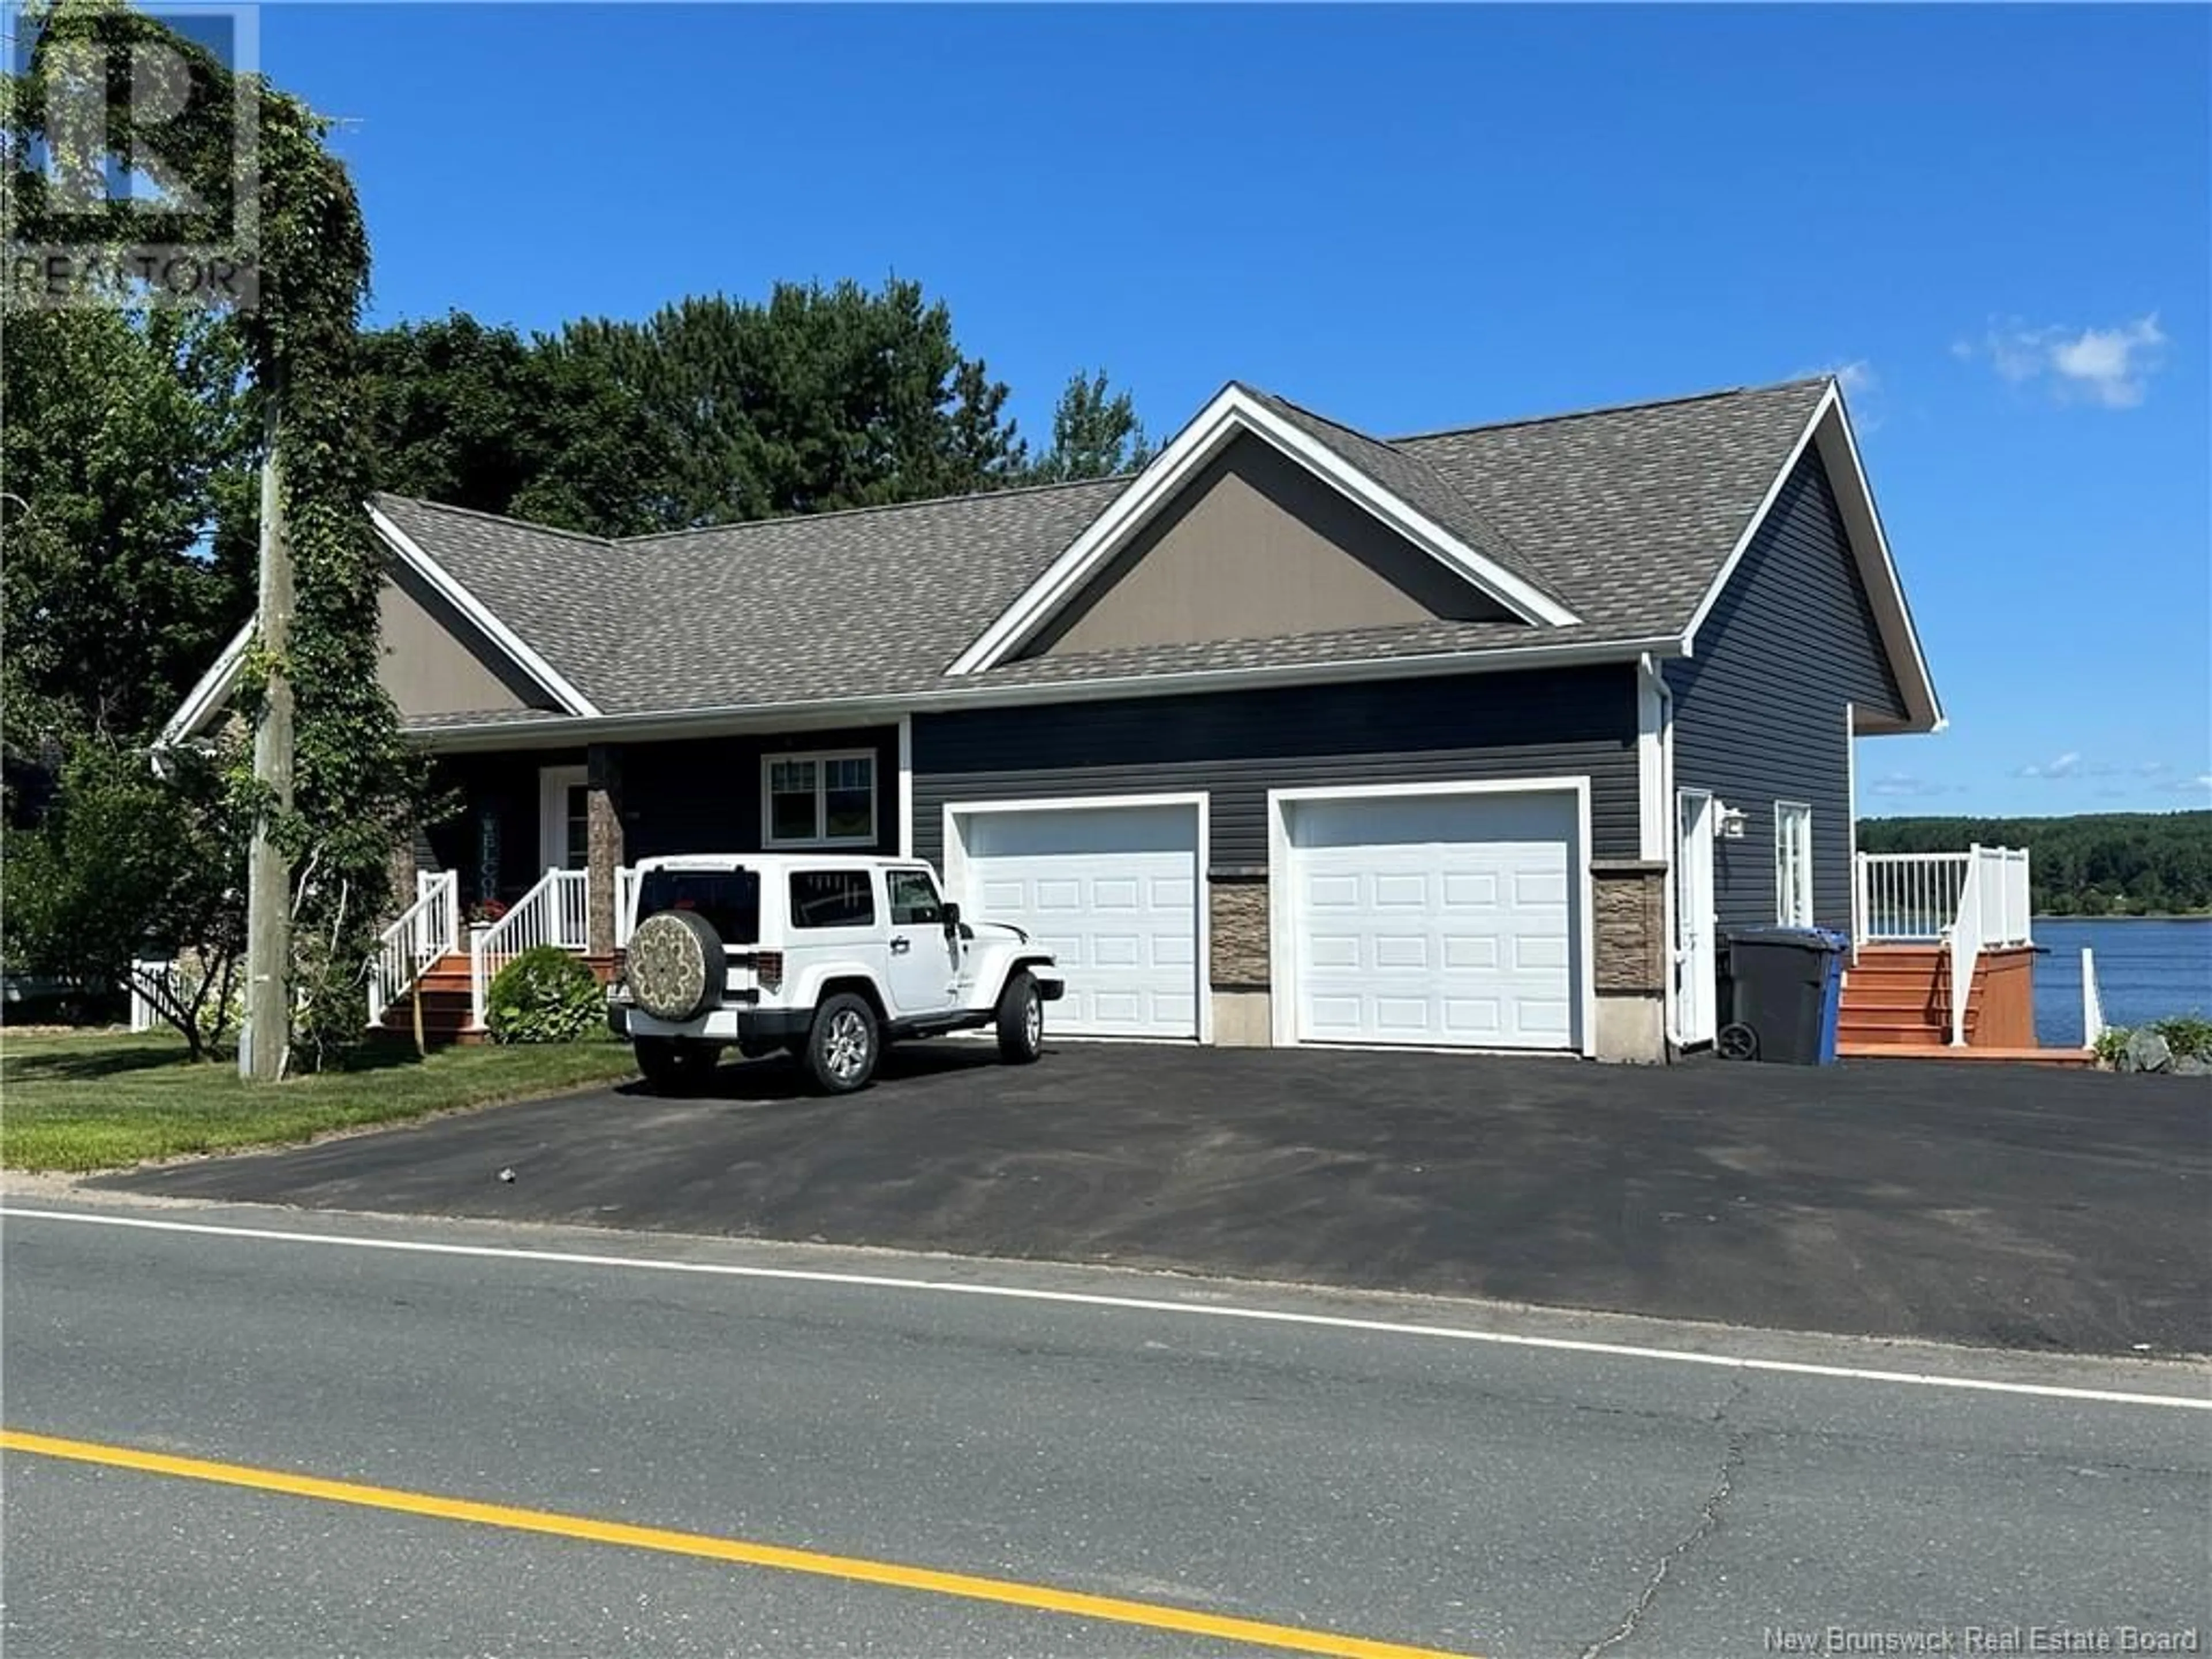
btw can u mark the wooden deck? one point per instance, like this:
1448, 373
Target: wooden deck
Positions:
1897, 1005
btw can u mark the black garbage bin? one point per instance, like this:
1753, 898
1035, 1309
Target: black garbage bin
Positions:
1782, 989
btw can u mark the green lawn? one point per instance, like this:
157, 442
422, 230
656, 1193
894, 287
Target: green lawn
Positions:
106, 1100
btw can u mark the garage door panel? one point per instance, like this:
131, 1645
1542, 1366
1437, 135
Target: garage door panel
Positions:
1401, 950
1112, 892
1440, 921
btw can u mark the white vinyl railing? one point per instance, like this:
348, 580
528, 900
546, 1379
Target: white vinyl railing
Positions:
1907, 897
1914, 898
625, 904
2093, 1002
557, 911
427, 930
1970, 901
143, 1015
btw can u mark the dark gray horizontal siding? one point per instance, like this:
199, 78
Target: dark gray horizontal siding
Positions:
704, 795
1237, 745
699, 795
1759, 710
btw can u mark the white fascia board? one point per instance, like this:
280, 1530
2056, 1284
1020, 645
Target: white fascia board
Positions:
847, 711
1232, 413
442, 582
1830, 430
1839, 450
211, 692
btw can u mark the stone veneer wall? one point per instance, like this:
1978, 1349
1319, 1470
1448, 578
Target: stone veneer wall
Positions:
1631, 927
1237, 918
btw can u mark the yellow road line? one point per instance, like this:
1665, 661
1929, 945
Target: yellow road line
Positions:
854, 1569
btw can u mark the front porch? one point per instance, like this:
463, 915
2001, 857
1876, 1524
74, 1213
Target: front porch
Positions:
543, 846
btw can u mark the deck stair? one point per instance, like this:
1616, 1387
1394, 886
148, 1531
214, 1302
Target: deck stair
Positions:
1899, 996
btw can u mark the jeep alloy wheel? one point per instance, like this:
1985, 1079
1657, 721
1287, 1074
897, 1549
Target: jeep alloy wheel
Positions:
841, 1050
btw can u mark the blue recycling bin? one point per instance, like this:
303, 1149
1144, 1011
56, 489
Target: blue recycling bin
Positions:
1784, 992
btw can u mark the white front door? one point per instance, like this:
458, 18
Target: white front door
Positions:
564, 818
924, 960
1443, 920
1112, 891
1696, 963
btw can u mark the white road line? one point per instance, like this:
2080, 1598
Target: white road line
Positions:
1138, 1304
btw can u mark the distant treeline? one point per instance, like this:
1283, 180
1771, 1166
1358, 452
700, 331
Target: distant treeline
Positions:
2103, 863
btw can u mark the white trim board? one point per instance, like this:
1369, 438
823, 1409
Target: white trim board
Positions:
210, 691
955, 860
449, 588
1829, 431
1282, 914
1234, 412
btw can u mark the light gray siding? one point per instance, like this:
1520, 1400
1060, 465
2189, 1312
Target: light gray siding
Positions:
1759, 710
1237, 745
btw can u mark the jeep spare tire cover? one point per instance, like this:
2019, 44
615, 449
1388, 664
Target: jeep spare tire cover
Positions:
677, 969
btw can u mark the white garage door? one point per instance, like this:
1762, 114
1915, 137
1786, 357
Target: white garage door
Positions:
1112, 891
1444, 920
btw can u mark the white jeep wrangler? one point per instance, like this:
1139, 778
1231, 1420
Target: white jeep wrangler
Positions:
826, 959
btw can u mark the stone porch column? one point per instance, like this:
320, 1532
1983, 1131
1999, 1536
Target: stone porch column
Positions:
603, 782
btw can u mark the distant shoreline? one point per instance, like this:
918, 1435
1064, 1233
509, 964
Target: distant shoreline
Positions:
2143, 915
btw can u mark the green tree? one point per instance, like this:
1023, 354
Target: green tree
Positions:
1096, 433
126, 456
480, 417
129, 865
820, 398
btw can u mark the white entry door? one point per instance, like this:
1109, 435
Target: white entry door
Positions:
564, 832
1697, 976
1111, 890
1438, 920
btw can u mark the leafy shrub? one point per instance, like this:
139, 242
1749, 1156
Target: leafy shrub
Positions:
2111, 1043
544, 995
2187, 1034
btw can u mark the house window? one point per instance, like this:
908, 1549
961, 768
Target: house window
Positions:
820, 800
1793, 864
832, 898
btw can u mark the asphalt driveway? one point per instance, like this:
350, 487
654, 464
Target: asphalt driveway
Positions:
1993, 1205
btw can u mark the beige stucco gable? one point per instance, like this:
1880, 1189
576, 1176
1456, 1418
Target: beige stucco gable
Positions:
1256, 546
432, 661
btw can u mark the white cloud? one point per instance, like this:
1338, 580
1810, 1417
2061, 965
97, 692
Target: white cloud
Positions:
2110, 367
2196, 786
2152, 769
1905, 784
2064, 767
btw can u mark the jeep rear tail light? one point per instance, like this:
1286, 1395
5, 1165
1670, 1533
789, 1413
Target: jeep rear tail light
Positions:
768, 965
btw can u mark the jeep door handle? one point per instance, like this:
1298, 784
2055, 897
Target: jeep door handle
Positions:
901, 946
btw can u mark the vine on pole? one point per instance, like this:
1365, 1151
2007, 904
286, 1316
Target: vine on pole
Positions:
250, 185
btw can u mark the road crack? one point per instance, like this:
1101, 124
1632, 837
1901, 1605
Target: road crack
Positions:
1708, 1522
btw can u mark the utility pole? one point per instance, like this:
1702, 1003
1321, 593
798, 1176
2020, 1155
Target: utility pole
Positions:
268, 877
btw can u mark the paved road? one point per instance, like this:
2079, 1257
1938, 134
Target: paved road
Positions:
1467, 1495
2015, 1207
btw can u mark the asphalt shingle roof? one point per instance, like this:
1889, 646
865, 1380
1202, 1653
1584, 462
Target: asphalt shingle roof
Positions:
1625, 516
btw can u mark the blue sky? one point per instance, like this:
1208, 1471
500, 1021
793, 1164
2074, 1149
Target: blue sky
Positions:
1993, 223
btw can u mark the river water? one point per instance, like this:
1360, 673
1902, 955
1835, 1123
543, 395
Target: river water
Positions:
2145, 970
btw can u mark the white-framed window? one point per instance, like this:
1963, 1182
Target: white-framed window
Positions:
824, 799
1793, 864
